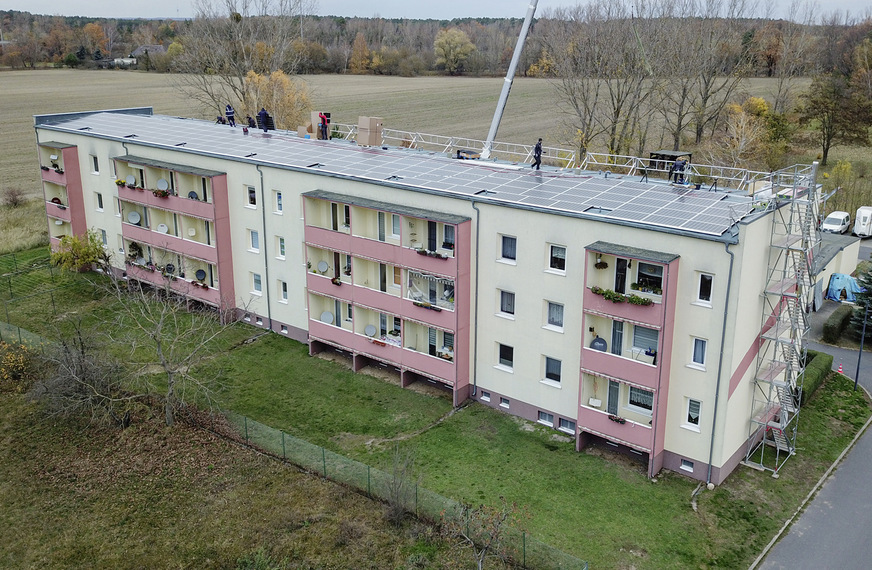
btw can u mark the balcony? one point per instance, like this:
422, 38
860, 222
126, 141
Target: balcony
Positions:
179, 204
647, 315
57, 211
324, 285
52, 175
618, 367
636, 435
185, 287
170, 242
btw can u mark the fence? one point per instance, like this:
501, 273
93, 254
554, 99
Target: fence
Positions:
524, 550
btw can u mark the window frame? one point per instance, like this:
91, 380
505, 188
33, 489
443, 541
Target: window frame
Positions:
552, 258
254, 241
506, 240
699, 288
640, 266
696, 342
446, 239
396, 226
283, 291
95, 164
543, 418
548, 379
644, 348
251, 197
504, 297
504, 403
551, 306
280, 247
256, 283
564, 426
277, 202
505, 357
688, 422
99, 196
485, 395
636, 408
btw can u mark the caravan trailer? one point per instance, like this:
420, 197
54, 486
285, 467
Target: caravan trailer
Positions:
863, 222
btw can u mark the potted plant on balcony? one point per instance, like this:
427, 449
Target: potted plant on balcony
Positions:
120, 182
161, 193
44, 167
600, 264
336, 281
617, 419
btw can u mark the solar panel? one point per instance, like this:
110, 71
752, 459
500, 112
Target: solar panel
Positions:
647, 203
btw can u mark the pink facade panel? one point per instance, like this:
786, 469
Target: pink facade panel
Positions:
183, 286
403, 358
378, 300
411, 258
180, 204
646, 314
223, 241
55, 177
328, 239
75, 194
639, 373
323, 284
630, 433
57, 211
170, 242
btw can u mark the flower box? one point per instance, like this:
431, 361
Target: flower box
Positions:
617, 419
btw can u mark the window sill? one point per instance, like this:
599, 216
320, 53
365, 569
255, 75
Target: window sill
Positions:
544, 423
258, 293
278, 213
507, 316
695, 366
704, 304
279, 257
506, 406
251, 206
552, 383
285, 301
485, 398
690, 427
687, 468
566, 430
553, 328
504, 368
552, 271
506, 261
253, 250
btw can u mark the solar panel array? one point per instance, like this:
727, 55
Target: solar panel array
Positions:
613, 197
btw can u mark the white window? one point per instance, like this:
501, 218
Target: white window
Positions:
251, 192
485, 396
509, 248
253, 240
699, 348
278, 201
448, 236
567, 425
256, 286
283, 291
95, 165
347, 212
704, 291
398, 276
555, 315
693, 409
687, 465
645, 338
284, 329
99, 201
557, 258
280, 246
395, 225
651, 277
507, 303
247, 317
641, 401
546, 418
506, 356
103, 236
504, 403
259, 320
552, 369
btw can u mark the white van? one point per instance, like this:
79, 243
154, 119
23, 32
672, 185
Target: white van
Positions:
838, 223
863, 222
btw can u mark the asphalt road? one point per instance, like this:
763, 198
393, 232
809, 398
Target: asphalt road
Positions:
834, 530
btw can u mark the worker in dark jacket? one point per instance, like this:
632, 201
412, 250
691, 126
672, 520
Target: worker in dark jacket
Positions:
263, 116
231, 115
537, 155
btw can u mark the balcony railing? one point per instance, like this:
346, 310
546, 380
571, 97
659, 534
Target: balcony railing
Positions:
634, 434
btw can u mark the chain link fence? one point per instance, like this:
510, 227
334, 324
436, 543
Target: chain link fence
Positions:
524, 550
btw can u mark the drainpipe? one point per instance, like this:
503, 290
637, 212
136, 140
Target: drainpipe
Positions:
265, 256
708, 478
475, 293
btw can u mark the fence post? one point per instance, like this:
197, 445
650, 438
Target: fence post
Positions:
524, 547
324, 461
284, 455
245, 418
54, 309
416, 499
368, 485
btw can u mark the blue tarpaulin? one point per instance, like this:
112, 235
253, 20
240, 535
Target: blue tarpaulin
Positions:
842, 284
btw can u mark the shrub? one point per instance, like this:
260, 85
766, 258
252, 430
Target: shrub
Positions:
837, 323
817, 368
18, 367
13, 197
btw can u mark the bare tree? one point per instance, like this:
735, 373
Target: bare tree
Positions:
483, 529
401, 485
229, 38
789, 44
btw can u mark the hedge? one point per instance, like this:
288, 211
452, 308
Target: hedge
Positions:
817, 368
837, 323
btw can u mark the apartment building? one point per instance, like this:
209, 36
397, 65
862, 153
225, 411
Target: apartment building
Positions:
605, 307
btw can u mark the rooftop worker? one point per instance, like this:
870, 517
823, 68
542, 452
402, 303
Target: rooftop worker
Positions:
251, 123
678, 167
219, 120
537, 155
323, 125
231, 115
263, 115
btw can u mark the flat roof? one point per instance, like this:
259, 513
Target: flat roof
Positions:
600, 196
632, 252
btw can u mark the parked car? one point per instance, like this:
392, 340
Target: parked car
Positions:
863, 222
838, 223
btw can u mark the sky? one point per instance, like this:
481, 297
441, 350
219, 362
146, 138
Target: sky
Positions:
442, 9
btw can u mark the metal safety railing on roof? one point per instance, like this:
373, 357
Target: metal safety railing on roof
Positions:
713, 177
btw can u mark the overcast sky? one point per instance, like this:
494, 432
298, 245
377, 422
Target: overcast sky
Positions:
441, 9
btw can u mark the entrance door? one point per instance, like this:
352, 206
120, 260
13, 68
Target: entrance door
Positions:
621, 275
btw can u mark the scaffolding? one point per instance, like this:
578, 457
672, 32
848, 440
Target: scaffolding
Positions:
787, 298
